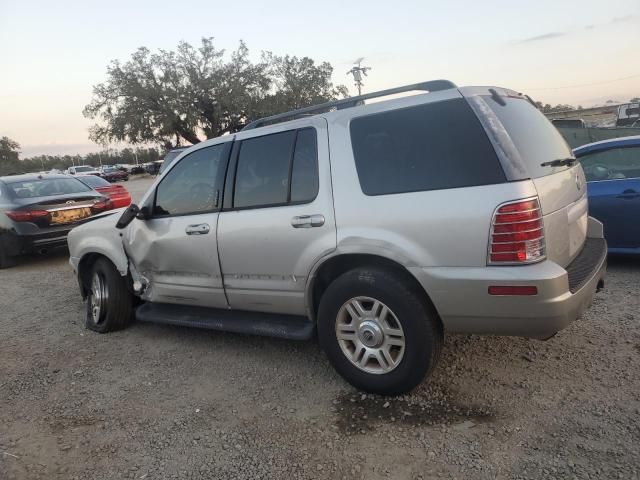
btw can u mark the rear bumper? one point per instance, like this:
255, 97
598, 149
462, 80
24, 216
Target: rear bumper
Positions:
461, 294
20, 244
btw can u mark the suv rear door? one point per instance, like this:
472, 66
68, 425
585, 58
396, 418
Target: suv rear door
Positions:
278, 218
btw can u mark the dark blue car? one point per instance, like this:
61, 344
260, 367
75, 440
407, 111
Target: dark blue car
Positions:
612, 168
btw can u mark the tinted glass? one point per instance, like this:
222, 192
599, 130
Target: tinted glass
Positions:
168, 159
94, 181
428, 147
48, 187
304, 173
190, 187
615, 164
536, 139
84, 169
262, 175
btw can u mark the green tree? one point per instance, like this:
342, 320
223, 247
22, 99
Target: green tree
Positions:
9, 157
548, 108
172, 97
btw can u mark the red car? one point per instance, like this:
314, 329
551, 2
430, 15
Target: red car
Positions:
118, 195
114, 175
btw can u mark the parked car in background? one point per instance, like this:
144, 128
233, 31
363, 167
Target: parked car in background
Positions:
170, 157
136, 170
83, 170
112, 174
379, 226
37, 212
153, 168
612, 169
119, 196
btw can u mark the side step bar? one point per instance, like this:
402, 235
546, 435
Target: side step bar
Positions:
291, 327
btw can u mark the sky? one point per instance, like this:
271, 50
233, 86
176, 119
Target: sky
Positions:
582, 52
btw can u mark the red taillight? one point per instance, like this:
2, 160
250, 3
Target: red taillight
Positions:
517, 234
27, 215
102, 205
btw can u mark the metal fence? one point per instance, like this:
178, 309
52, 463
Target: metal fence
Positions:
581, 136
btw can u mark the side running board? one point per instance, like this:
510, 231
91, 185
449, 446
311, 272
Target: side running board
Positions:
291, 327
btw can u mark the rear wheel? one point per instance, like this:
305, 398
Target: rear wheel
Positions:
6, 260
109, 300
379, 333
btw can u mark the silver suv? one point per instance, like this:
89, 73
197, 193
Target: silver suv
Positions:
378, 225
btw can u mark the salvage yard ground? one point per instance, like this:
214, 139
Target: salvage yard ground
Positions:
160, 402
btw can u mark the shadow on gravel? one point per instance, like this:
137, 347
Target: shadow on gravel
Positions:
360, 413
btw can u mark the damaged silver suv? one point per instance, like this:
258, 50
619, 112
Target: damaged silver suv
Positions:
379, 226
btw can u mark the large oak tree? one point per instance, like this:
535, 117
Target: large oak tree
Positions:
190, 94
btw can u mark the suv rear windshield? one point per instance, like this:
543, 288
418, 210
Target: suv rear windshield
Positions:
427, 147
536, 139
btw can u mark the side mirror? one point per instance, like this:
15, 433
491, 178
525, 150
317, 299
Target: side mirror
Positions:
144, 213
128, 215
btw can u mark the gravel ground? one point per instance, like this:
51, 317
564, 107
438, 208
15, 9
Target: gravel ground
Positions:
160, 402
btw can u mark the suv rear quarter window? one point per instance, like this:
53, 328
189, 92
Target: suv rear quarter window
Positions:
427, 147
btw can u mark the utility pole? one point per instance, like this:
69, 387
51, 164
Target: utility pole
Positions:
358, 71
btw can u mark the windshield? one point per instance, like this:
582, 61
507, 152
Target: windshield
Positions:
168, 159
85, 169
94, 181
536, 139
48, 187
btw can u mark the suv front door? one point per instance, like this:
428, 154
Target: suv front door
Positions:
278, 219
176, 249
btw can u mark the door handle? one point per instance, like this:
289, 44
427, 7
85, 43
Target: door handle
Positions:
307, 221
200, 229
629, 193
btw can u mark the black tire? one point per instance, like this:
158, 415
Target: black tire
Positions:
116, 311
423, 335
6, 260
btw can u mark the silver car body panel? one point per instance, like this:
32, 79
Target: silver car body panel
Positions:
265, 259
98, 236
178, 267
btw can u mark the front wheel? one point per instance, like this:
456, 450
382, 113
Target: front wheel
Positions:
109, 300
379, 333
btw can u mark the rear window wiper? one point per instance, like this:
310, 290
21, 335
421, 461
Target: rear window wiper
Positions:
560, 162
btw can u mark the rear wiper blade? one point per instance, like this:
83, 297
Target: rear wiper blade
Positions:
560, 162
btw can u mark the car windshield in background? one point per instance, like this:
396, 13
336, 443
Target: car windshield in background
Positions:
168, 159
47, 187
85, 169
94, 181
536, 139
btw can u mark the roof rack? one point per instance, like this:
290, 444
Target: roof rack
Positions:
430, 86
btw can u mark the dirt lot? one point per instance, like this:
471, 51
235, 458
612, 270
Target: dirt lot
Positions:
160, 402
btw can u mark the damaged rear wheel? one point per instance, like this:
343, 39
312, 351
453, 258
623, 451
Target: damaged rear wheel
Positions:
109, 301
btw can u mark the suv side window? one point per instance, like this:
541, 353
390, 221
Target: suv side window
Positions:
427, 147
277, 169
191, 187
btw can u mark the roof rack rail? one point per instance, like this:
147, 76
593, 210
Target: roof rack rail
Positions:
429, 86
